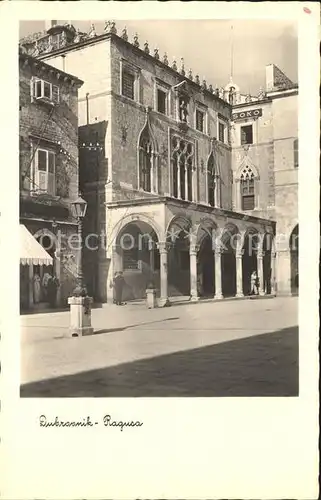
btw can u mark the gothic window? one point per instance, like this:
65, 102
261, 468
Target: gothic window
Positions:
247, 189
182, 163
145, 162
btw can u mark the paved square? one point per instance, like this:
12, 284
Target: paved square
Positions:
229, 348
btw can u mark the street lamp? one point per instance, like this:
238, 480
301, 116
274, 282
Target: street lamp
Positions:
80, 303
79, 208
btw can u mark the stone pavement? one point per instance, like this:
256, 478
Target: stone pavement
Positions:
227, 348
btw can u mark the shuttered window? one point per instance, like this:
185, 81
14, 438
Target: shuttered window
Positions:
44, 178
199, 120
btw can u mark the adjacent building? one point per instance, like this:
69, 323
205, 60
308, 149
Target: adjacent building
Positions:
49, 174
186, 184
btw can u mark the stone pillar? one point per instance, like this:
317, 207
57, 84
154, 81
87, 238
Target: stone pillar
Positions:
260, 272
30, 286
273, 277
218, 273
193, 249
283, 272
163, 251
239, 273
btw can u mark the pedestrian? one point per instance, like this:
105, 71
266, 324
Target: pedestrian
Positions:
254, 283
118, 287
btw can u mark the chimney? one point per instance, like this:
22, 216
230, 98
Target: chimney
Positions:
269, 77
50, 24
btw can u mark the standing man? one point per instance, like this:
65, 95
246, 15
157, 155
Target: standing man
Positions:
118, 287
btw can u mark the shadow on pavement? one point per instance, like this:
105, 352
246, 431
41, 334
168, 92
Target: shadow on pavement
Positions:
128, 327
261, 365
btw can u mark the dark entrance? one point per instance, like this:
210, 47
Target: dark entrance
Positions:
249, 261
294, 252
206, 268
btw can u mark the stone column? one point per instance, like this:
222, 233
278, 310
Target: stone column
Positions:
239, 273
193, 249
163, 251
218, 273
283, 272
260, 272
273, 276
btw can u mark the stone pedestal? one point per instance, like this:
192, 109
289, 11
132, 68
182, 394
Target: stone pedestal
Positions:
80, 316
151, 298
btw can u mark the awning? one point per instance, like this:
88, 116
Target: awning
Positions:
31, 252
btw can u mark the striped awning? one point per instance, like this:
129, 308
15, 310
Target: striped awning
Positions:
31, 252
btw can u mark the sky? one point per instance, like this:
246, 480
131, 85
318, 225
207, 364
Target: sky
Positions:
206, 46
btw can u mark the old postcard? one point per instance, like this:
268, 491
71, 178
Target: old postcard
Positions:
156, 339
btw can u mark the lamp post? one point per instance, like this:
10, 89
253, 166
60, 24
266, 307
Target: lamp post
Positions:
80, 303
79, 208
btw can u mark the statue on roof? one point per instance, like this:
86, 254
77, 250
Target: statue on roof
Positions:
78, 36
261, 95
92, 32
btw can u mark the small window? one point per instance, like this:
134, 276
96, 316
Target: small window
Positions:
221, 132
161, 101
128, 84
199, 120
247, 134
46, 91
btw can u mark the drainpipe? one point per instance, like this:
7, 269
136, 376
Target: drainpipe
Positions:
87, 107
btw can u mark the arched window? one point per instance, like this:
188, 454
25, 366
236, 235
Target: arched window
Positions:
213, 182
145, 163
182, 163
247, 188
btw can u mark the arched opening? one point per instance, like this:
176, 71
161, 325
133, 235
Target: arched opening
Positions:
206, 268
178, 237
267, 262
228, 262
136, 255
294, 252
249, 260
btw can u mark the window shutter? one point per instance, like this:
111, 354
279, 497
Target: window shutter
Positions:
51, 184
32, 89
55, 94
41, 181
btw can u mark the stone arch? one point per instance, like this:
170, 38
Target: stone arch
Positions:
137, 217
247, 164
181, 222
135, 253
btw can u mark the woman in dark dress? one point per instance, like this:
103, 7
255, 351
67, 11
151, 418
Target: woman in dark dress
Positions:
118, 287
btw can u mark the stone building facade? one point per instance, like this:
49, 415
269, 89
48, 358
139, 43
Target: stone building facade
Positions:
48, 146
180, 199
